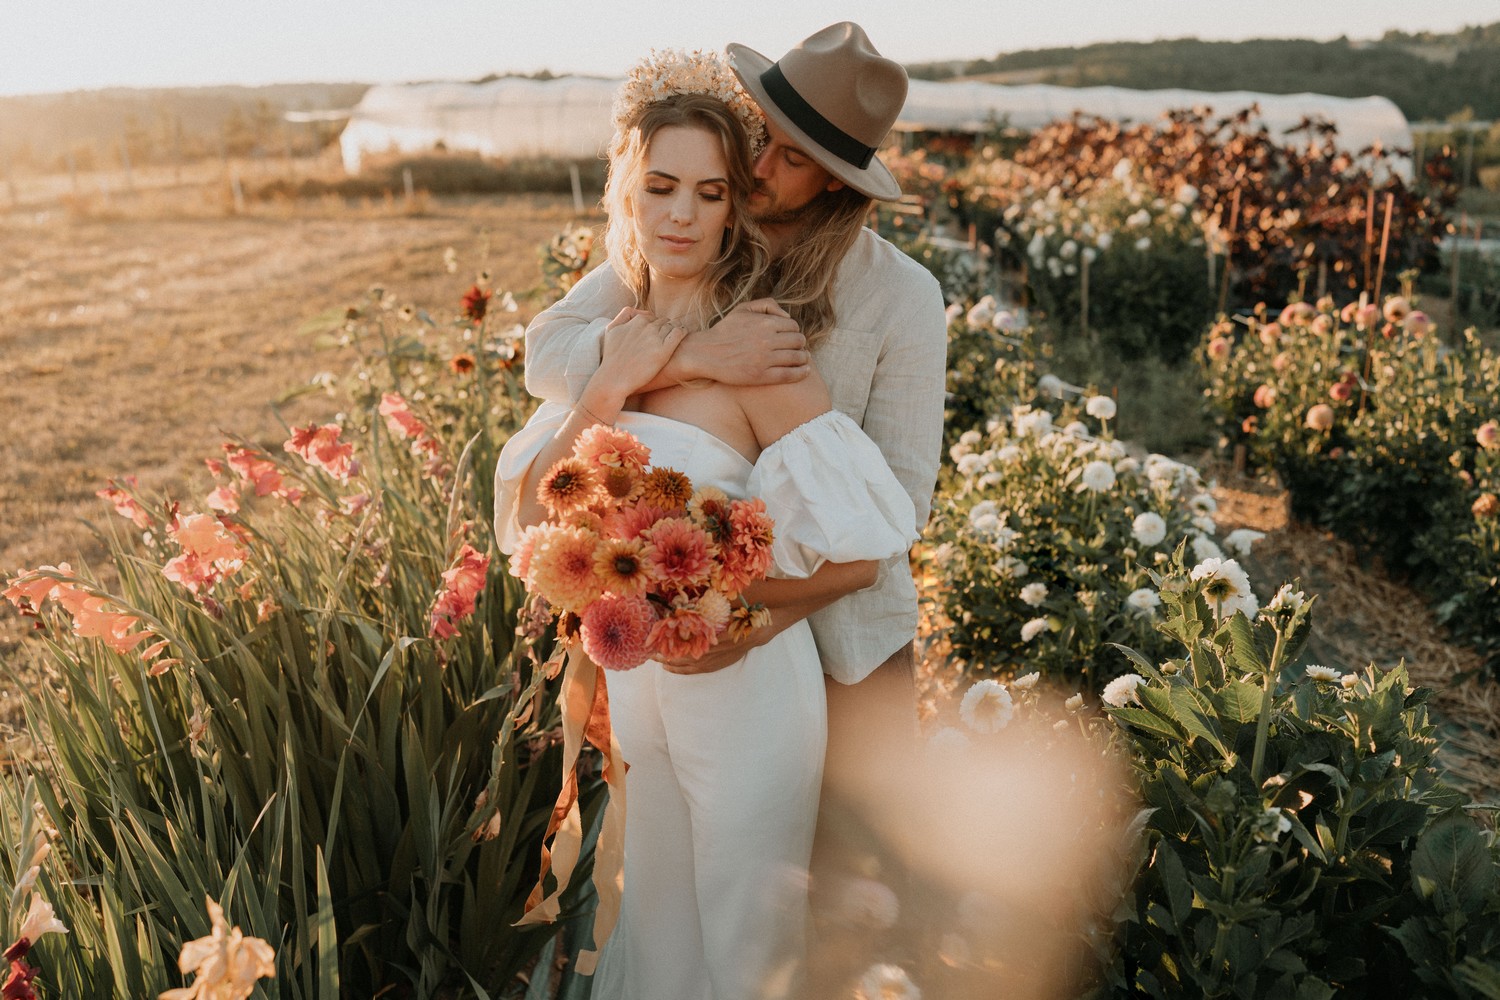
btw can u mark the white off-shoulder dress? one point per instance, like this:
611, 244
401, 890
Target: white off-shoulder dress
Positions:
725, 767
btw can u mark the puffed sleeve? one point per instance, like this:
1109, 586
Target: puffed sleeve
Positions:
515, 459
832, 496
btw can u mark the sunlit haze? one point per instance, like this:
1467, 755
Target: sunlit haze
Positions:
85, 44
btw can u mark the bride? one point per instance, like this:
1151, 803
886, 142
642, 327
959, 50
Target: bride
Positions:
724, 766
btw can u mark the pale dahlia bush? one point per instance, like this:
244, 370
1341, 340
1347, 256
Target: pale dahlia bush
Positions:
1043, 539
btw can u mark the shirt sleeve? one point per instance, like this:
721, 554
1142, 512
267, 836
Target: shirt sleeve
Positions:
562, 342
904, 415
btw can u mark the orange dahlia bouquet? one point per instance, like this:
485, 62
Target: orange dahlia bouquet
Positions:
637, 562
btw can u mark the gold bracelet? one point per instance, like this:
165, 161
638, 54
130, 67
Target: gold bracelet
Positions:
589, 414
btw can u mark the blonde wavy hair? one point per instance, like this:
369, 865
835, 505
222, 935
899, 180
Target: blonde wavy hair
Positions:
802, 277
739, 271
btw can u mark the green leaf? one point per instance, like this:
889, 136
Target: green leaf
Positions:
1393, 821
1175, 884
1148, 721
328, 939
1452, 866
1239, 701
1195, 713
1245, 653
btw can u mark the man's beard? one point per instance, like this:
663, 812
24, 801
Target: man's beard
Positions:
777, 216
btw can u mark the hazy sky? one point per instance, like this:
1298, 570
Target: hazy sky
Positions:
54, 45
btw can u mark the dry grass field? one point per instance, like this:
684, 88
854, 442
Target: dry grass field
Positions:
135, 337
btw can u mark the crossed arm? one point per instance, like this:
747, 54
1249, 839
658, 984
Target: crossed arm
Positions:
757, 343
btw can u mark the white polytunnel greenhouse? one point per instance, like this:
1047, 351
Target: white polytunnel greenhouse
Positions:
568, 117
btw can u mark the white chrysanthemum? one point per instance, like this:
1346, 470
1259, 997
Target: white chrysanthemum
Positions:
1109, 451
886, 982
984, 524
1348, 681
1034, 594
1100, 407
1286, 599
1077, 429
970, 437
1121, 691
1271, 824
958, 451
1203, 503
1226, 584
1009, 454
987, 706
948, 741
982, 510
1074, 703
1162, 471
1205, 524
1318, 672
865, 902
1144, 599
1205, 548
1149, 528
1050, 385
953, 312
1127, 465
1034, 628
1239, 540
970, 464
983, 312
1031, 423
1098, 476
1026, 681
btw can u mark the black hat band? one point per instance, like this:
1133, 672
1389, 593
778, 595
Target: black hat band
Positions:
806, 117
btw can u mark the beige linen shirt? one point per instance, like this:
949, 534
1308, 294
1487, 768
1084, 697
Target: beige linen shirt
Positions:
885, 363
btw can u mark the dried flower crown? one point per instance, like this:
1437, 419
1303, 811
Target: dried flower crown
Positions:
666, 72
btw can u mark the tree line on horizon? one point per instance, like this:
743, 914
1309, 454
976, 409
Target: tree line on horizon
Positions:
1429, 76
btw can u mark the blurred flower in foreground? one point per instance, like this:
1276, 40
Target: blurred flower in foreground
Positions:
227, 962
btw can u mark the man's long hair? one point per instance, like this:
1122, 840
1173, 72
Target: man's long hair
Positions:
737, 273
802, 277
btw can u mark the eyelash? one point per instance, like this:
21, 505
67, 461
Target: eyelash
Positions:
707, 196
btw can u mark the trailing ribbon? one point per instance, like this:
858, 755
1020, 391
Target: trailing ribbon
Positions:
584, 700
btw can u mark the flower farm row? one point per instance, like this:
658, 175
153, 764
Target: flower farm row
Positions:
313, 700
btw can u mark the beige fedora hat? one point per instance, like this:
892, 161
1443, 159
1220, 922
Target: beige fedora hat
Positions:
836, 97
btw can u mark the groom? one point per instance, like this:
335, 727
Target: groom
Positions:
828, 103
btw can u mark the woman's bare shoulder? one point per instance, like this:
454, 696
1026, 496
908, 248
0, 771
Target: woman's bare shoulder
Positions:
775, 409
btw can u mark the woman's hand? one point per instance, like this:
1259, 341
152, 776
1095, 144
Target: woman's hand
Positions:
636, 347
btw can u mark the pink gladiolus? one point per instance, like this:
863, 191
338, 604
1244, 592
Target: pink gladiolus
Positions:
225, 499
399, 418
1365, 316
1265, 395
29, 589
210, 552
259, 472
1270, 334
125, 505
1341, 390
1218, 348
1418, 324
1397, 308
319, 446
457, 598
1347, 313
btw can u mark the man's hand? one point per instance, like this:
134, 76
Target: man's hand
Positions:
724, 653
757, 343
